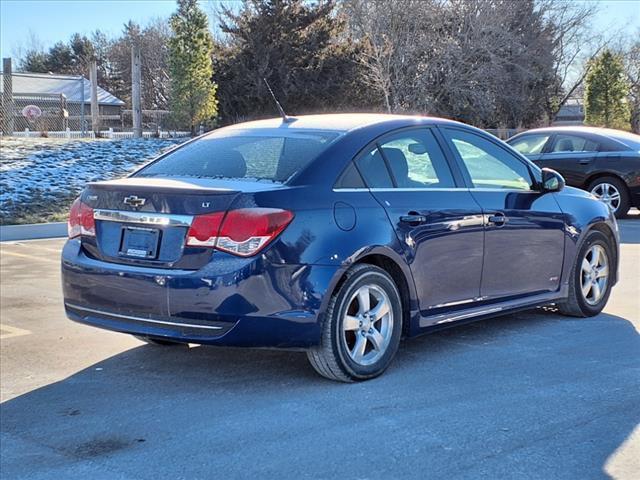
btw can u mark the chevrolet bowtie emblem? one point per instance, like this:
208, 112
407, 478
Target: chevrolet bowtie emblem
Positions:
134, 201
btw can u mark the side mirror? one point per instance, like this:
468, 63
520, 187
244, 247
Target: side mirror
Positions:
552, 181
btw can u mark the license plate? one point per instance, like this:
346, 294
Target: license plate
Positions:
139, 242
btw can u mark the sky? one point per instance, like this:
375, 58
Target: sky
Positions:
53, 20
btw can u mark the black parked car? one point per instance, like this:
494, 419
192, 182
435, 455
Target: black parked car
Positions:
605, 162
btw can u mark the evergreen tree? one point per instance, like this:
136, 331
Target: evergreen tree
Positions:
606, 90
193, 94
303, 51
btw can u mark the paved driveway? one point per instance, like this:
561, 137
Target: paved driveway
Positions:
532, 395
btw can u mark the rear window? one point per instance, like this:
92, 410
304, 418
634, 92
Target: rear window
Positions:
631, 141
251, 155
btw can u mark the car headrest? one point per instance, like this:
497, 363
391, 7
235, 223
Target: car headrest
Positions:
231, 164
565, 145
398, 164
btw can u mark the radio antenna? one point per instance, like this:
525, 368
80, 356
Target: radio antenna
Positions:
284, 116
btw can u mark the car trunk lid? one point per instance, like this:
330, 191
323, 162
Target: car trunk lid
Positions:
144, 221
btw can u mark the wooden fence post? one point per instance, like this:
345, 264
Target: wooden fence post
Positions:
7, 97
136, 80
95, 108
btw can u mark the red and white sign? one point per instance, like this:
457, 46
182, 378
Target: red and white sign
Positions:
31, 112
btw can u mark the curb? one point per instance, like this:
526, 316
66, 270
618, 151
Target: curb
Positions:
33, 231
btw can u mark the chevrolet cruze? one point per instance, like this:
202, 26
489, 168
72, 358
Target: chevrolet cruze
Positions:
333, 234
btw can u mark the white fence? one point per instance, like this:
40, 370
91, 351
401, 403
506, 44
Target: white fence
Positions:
110, 134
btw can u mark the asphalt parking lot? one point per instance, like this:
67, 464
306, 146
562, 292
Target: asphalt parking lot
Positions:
531, 395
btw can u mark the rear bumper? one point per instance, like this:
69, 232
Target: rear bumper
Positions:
230, 301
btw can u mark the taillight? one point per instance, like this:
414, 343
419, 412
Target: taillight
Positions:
204, 230
243, 232
81, 220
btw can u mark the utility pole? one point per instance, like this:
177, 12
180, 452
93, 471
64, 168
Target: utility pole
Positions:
7, 97
95, 108
136, 81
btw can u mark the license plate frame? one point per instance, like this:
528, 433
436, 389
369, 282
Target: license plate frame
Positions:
139, 242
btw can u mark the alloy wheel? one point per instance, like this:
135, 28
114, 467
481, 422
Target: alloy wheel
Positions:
367, 325
594, 274
607, 193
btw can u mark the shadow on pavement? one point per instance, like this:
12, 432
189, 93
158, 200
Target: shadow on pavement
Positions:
630, 229
532, 395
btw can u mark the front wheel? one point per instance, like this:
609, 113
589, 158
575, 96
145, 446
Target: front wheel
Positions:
362, 327
590, 283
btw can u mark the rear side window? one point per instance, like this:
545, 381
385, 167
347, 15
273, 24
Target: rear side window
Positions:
573, 143
373, 169
350, 178
261, 155
530, 144
416, 160
408, 159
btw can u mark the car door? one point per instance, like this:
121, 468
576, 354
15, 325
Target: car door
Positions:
524, 228
437, 220
573, 155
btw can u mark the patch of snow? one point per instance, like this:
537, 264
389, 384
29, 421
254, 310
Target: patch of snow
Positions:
50, 168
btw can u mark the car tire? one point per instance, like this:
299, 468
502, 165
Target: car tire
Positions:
359, 340
156, 341
607, 185
582, 300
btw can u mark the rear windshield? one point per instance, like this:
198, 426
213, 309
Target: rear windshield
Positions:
271, 155
632, 142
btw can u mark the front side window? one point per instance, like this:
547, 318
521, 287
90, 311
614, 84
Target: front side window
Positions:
530, 144
573, 143
251, 155
488, 165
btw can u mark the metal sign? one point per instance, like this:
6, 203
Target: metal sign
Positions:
31, 112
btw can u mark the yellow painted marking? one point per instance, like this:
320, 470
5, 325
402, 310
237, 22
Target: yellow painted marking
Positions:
24, 255
7, 331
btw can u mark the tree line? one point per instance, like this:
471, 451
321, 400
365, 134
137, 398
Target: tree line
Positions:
491, 63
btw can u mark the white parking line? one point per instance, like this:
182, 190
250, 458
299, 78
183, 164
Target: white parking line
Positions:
7, 331
39, 247
24, 255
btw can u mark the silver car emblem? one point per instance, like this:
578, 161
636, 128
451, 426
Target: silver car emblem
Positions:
134, 201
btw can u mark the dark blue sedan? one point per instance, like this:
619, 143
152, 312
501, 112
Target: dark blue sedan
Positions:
334, 234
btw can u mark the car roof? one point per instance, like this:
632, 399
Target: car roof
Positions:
620, 135
336, 122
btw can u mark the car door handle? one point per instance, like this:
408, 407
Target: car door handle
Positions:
415, 219
497, 219
585, 161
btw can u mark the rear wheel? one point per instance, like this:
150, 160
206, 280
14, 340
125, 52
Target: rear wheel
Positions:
590, 283
613, 192
362, 327
156, 341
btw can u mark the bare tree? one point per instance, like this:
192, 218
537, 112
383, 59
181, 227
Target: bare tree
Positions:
153, 40
575, 45
631, 56
485, 62
391, 30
